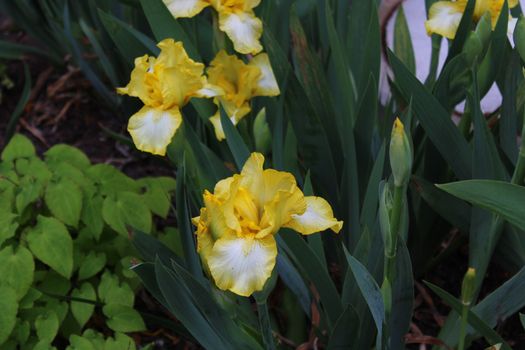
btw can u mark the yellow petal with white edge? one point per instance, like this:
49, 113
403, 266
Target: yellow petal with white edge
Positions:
185, 8
242, 265
444, 18
152, 129
243, 29
267, 85
317, 217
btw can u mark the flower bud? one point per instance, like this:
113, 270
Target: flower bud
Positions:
468, 286
261, 133
385, 207
400, 154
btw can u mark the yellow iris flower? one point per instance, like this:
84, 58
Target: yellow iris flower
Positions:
164, 84
236, 19
239, 82
444, 16
236, 228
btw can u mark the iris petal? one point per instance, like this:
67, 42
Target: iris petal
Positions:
185, 8
244, 30
266, 85
444, 18
152, 129
242, 265
317, 217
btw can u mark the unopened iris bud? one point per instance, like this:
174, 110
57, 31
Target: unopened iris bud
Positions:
262, 133
400, 154
468, 286
385, 207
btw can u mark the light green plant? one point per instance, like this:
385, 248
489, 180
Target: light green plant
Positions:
64, 247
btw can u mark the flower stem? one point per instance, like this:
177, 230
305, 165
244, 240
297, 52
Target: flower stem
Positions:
463, 329
264, 324
390, 255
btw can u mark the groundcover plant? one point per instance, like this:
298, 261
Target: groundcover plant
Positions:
325, 197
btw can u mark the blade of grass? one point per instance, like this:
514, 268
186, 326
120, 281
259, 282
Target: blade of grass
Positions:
22, 102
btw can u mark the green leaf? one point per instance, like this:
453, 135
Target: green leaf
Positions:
216, 316
30, 191
8, 225
18, 147
126, 209
122, 318
403, 41
164, 25
341, 66
345, 331
17, 269
363, 41
91, 214
9, 307
312, 139
308, 262
130, 42
112, 291
370, 291
53, 283
29, 299
235, 142
434, 119
51, 243
119, 342
402, 298
22, 102
46, 325
79, 343
64, 200
502, 198
65, 153
462, 32
15, 51
156, 196
83, 311
455, 211
476, 322
92, 264
111, 180
149, 248
519, 37
21, 332
191, 258
180, 304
